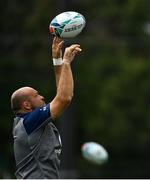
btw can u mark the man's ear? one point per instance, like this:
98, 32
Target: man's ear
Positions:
26, 105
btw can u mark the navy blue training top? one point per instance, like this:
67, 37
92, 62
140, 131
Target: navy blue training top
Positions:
32, 120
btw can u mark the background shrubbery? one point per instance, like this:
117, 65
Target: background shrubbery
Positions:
112, 80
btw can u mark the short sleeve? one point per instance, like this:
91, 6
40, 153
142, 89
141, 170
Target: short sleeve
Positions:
36, 118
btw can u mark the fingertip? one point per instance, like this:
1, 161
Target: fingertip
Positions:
55, 39
78, 49
61, 43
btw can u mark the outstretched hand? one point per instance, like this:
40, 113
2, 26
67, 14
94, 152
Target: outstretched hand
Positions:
57, 47
70, 52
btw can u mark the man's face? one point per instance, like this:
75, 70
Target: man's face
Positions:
35, 99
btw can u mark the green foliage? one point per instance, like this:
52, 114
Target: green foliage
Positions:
115, 99
112, 74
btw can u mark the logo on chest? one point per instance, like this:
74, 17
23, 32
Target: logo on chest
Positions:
58, 152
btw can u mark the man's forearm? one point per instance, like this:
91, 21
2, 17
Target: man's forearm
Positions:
57, 70
66, 84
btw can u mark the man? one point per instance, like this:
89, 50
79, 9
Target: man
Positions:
37, 144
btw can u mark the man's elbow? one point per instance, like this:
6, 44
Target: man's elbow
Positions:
67, 100
59, 104
64, 102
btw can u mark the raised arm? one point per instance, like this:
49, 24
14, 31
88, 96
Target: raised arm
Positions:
65, 86
57, 57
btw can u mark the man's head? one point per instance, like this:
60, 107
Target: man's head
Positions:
25, 100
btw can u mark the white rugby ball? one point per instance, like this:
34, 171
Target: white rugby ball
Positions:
67, 24
94, 152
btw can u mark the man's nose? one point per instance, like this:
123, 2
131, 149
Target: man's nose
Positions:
42, 97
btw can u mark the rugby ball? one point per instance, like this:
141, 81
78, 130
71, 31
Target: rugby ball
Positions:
94, 152
67, 24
